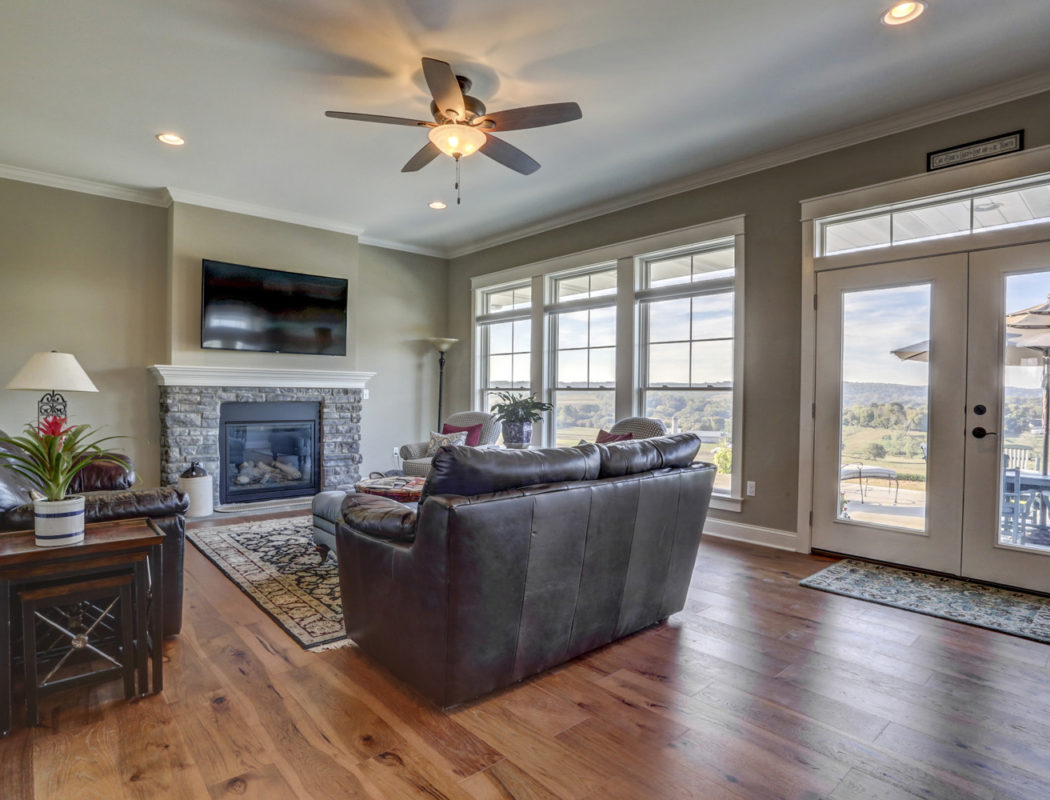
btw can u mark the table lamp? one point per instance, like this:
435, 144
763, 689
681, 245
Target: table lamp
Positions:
52, 373
442, 346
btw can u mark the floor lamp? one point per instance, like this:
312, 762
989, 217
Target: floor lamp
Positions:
52, 373
442, 346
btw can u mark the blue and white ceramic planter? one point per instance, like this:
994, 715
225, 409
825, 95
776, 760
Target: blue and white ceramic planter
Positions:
517, 435
59, 522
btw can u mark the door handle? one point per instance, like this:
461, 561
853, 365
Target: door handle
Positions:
980, 433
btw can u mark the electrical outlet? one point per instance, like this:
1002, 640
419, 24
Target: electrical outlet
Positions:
750, 488
396, 453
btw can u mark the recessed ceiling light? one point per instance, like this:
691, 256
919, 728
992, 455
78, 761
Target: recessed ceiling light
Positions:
437, 205
901, 13
171, 138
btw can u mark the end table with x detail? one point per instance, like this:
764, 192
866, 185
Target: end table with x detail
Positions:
32, 577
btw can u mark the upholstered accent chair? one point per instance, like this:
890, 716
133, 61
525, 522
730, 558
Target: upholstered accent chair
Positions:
414, 460
641, 427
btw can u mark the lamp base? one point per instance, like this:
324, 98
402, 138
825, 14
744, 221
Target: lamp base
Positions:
51, 404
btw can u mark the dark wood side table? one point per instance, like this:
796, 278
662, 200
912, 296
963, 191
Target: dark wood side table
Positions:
132, 545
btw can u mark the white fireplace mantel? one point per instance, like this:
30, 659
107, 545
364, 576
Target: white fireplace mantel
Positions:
181, 375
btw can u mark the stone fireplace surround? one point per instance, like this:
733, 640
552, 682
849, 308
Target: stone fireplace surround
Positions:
190, 398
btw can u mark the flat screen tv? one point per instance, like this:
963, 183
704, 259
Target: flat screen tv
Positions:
269, 311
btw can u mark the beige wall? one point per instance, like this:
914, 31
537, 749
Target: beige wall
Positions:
85, 275
91, 276
770, 202
396, 301
405, 301
198, 233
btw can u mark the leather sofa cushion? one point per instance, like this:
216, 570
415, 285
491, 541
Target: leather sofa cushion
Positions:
469, 471
380, 517
642, 455
110, 506
104, 475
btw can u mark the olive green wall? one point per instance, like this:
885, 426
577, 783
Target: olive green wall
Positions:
90, 275
85, 275
769, 200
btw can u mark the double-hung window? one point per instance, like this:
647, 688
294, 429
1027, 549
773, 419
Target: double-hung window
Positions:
688, 304
582, 315
504, 328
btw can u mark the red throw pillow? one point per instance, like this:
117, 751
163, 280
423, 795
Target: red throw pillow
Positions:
473, 432
604, 437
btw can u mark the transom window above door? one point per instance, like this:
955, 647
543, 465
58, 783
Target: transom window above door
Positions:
986, 208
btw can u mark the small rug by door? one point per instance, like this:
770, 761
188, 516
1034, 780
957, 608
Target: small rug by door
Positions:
1003, 610
274, 562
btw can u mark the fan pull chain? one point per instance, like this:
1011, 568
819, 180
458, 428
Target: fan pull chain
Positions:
457, 182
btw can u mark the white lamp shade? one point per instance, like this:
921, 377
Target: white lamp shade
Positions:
442, 345
59, 372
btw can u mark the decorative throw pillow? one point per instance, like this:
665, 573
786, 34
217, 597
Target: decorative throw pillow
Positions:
473, 432
604, 437
439, 440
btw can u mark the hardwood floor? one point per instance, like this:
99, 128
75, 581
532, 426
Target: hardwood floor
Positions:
758, 689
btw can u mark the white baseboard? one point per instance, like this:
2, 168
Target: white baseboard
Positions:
753, 534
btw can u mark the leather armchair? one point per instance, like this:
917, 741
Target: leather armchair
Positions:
518, 560
109, 496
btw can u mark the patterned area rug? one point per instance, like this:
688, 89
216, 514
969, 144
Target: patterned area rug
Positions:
1016, 613
274, 562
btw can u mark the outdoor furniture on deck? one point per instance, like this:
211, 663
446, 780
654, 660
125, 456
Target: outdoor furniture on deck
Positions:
1019, 505
862, 473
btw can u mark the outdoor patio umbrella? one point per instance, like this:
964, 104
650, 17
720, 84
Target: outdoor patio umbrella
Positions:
1027, 339
1029, 329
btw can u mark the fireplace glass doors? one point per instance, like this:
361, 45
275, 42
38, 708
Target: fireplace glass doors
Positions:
268, 451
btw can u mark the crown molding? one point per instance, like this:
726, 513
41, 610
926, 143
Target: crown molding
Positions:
265, 212
887, 126
182, 375
401, 247
149, 197
897, 123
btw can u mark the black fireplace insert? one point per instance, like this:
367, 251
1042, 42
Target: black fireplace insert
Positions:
269, 451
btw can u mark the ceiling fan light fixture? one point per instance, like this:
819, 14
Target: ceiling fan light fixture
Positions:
901, 13
456, 140
437, 205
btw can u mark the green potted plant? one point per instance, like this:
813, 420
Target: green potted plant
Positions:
49, 456
516, 413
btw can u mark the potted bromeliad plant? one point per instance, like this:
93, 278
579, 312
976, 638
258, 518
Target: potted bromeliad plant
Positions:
49, 456
516, 413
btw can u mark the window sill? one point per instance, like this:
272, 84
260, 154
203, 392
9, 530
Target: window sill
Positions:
724, 502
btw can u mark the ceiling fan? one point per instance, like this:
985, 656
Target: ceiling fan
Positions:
461, 125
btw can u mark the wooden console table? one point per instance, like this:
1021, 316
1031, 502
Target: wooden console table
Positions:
130, 546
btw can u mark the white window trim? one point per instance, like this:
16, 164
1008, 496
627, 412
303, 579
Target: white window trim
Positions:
627, 256
734, 500
479, 367
1013, 166
551, 310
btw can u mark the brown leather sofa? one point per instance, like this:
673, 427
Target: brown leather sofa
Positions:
518, 560
109, 496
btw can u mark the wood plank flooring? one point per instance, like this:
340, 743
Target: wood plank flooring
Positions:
758, 689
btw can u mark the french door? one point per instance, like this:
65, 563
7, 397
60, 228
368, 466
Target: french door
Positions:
931, 417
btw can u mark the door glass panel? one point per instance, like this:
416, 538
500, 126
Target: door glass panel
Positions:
1024, 485
884, 400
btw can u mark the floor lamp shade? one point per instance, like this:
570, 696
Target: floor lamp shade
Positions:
52, 372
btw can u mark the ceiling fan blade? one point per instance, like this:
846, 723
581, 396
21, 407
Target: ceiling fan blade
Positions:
426, 154
508, 155
441, 81
378, 118
530, 117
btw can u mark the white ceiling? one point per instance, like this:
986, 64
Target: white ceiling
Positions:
668, 90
